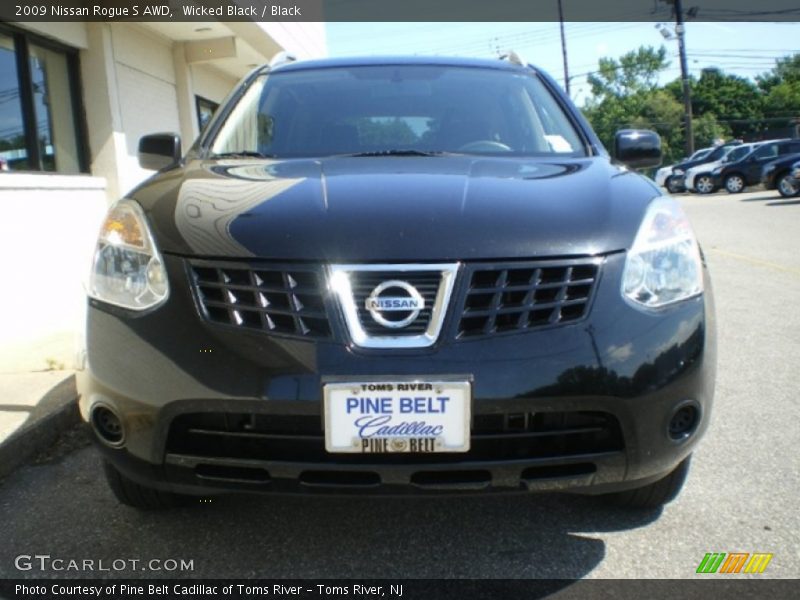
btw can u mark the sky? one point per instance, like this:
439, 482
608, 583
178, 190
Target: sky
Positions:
745, 49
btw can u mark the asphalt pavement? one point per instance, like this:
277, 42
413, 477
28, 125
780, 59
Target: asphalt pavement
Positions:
741, 495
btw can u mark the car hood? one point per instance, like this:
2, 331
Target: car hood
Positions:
395, 208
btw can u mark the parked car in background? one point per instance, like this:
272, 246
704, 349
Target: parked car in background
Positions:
795, 172
777, 175
664, 172
699, 179
674, 182
735, 177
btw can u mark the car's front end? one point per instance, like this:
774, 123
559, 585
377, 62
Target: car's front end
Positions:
777, 175
699, 179
662, 174
719, 176
769, 174
398, 322
795, 173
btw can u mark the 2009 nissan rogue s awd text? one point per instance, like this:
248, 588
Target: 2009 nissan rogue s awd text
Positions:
383, 275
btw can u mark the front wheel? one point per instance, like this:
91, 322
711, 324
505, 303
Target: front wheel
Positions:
656, 494
674, 185
734, 184
138, 496
787, 186
704, 184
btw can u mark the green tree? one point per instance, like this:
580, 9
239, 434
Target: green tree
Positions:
783, 100
626, 95
781, 86
735, 100
708, 131
634, 72
786, 70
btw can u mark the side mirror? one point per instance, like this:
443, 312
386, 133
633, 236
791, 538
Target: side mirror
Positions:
637, 148
159, 150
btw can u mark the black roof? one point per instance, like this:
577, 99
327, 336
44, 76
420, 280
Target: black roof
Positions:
451, 61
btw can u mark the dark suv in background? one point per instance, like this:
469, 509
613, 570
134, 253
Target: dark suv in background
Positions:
777, 175
675, 182
735, 177
398, 275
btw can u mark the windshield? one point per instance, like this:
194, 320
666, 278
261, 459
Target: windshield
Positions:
700, 154
738, 153
766, 151
399, 109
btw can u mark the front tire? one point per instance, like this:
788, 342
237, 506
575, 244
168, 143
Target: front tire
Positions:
734, 184
786, 186
656, 494
138, 496
673, 185
704, 184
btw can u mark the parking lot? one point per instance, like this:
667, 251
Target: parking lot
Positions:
741, 495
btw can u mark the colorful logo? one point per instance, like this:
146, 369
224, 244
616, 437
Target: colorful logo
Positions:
734, 562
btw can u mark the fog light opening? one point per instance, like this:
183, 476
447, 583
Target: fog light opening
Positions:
683, 421
108, 426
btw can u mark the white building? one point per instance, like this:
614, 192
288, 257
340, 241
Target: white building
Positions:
74, 100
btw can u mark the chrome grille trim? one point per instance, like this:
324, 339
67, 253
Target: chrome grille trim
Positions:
340, 283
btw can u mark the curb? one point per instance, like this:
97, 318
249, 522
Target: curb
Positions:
56, 412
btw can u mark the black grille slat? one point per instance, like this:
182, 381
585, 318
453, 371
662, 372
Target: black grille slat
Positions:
281, 301
518, 297
300, 438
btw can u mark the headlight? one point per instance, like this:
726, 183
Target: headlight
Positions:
127, 268
663, 266
678, 172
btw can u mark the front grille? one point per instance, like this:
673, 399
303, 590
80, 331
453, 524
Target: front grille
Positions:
508, 298
281, 301
300, 438
426, 283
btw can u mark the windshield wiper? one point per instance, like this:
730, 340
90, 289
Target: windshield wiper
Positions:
399, 153
242, 154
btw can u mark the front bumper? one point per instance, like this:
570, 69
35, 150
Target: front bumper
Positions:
579, 407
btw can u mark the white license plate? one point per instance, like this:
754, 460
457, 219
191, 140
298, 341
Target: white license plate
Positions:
397, 416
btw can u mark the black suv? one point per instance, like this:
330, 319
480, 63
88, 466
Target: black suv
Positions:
736, 176
777, 175
398, 276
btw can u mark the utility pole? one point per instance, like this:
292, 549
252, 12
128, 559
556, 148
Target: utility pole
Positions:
687, 90
563, 47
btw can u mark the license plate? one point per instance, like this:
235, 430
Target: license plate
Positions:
397, 416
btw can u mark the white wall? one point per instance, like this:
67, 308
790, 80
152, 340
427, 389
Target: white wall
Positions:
148, 103
305, 40
47, 236
211, 83
134, 81
72, 33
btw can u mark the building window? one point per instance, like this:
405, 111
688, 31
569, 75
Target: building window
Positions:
39, 100
205, 110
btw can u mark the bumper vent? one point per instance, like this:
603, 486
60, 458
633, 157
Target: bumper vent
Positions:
280, 301
506, 298
300, 439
